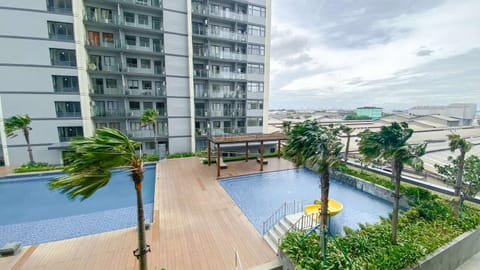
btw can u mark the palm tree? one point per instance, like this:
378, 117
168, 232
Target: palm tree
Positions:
149, 117
319, 147
390, 144
286, 127
20, 122
348, 131
457, 142
91, 160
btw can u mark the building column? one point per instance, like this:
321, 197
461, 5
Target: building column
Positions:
218, 160
246, 152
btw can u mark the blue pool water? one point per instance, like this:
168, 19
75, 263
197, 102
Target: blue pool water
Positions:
32, 214
260, 195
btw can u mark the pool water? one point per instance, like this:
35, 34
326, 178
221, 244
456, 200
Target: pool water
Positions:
260, 195
32, 214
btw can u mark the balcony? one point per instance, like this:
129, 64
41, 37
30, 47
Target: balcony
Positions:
96, 18
146, 133
160, 92
69, 114
65, 37
140, 70
100, 90
145, 3
139, 113
113, 44
228, 94
205, 10
227, 75
221, 34
155, 26
113, 68
201, 113
153, 49
221, 55
228, 131
100, 112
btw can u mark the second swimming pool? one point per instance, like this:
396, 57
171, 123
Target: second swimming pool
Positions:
259, 195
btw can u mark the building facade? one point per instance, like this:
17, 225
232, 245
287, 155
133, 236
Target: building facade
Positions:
372, 112
464, 112
74, 66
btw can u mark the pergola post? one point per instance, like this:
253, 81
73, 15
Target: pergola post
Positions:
261, 155
209, 152
278, 149
218, 160
246, 151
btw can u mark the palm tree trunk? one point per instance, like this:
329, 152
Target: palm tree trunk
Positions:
397, 172
458, 185
142, 246
325, 184
155, 141
346, 147
26, 133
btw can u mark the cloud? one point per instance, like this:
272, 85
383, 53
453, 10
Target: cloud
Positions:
373, 51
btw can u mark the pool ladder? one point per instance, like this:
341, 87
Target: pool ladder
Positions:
287, 208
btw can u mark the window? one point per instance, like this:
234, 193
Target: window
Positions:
145, 63
254, 122
255, 68
255, 87
144, 42
60, 30
107, 38
67, 109
109, 61
258, 31
134, 105
142, 19
132, 62
60, 6
132, 84
255, 105
67, 133
65, 83
216, 124
63, 57
147, 105
256, 11
129, 17
156, 23
131, 40
256, 49
111, 83
147, 85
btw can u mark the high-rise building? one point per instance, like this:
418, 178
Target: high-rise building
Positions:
74, 66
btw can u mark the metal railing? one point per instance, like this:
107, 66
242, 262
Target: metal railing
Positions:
306, 222
287, 208
238, 262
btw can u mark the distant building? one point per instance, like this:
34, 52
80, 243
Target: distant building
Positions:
372, 112
464, 112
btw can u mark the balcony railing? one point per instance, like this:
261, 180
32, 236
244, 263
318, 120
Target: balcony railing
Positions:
66, 89
100, 90
228, 131
114, 44
221, 55
140, 70
69, 114
221, 34
157, 26
147, 3
139, 113
60, 10
113, 20
146, 92
146, 133
66, 63
113, 68
205, 10
228, 94
219, 75
61, 37
201, 113
108, 113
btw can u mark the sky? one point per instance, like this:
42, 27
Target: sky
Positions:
395, 54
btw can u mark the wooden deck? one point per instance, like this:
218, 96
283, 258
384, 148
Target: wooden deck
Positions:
196, 226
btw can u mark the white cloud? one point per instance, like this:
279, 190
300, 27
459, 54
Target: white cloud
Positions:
442, 32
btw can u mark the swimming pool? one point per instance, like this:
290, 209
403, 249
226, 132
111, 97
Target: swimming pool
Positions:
260, 195
32, 214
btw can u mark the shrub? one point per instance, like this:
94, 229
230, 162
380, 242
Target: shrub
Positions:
180, 155
37, 167
151, 158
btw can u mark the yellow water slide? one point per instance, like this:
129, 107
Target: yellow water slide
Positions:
334, 207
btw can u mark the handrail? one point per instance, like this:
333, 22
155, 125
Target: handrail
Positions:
287, 208
238, 262
306, 222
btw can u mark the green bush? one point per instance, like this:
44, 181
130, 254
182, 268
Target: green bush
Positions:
151, 158
426, 226
181, 155
37, 167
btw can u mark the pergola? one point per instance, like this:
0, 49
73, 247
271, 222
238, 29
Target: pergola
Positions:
219, 140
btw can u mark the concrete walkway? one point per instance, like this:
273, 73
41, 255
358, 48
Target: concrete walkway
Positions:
471, 264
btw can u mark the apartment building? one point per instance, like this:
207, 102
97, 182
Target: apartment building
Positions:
75, 66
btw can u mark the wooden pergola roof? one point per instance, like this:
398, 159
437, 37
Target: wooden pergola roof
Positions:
219, 140
247, 138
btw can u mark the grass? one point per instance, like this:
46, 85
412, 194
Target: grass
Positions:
37, 167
